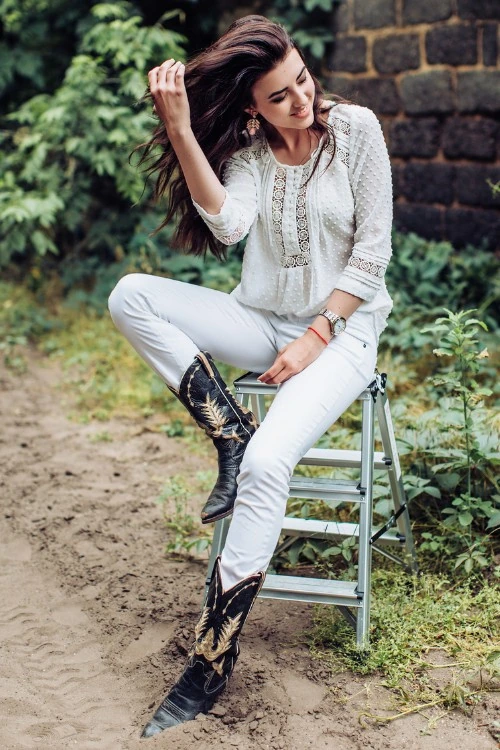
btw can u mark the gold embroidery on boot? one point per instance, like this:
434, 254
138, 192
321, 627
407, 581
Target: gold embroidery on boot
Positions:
253, 421
200, 625
206, 647
214, 416
234, 436
240, 591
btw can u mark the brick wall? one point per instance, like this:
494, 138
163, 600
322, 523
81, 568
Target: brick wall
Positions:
429, 70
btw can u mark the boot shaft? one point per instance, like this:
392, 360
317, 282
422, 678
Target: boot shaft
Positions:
208, 399
223, 617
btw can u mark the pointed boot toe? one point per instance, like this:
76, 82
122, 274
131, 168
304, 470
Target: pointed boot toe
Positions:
166, 715
151, 729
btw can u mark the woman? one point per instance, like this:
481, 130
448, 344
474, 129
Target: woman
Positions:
261, 153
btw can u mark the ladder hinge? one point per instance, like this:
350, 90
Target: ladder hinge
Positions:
390, 523
378, 384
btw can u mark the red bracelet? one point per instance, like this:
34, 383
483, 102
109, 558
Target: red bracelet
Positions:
310, 328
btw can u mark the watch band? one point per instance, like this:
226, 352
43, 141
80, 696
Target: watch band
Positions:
333, 319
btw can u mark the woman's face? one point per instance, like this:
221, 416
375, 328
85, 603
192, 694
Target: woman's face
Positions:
285, 95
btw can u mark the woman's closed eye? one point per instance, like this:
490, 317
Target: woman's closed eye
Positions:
281, 98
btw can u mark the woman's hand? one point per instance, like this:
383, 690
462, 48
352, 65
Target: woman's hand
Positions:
293, 358
166, 84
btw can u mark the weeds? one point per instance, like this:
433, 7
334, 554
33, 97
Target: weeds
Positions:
465, 463
187, 537
411, 618
22, 321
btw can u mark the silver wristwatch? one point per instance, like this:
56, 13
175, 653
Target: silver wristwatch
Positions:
337, 322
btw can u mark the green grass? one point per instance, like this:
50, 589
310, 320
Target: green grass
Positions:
412, 618
100, 367
187, 536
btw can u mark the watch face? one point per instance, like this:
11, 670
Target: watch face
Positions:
339, 326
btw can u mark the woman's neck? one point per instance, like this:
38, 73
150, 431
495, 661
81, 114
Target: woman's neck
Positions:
293, 147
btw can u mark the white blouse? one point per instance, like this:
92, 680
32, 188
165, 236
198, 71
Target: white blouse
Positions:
305, 240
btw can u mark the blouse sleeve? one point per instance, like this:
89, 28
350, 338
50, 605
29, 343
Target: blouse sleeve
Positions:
239, 209
371, 184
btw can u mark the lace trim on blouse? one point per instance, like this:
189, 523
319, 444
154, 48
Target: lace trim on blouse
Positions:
368, 266
345, 128
304, 257
253, 153
239, 232
277, 207
342, 125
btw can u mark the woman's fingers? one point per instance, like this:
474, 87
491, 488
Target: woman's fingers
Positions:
168, 77
166, 84
276, 369
158, 75
153, 73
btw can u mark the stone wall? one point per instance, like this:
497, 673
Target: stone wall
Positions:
429, 70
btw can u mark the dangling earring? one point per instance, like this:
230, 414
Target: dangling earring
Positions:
253, 125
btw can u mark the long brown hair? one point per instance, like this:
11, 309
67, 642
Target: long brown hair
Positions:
219, 84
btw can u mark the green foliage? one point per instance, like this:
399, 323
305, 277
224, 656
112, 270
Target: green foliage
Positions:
309, 22
469, 464
425, 276
411, 617
22, 321
38, 37
66, 184
186, 534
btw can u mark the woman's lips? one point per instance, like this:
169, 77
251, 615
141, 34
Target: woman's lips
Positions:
304, 112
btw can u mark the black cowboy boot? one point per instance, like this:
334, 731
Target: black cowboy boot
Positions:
213, 654
229, 424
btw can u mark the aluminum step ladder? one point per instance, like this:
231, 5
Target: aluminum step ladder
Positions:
394, 539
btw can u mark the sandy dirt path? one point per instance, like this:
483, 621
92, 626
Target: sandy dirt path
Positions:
95, 620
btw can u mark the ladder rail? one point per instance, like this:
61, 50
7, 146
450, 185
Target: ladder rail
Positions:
365, 520
399, 498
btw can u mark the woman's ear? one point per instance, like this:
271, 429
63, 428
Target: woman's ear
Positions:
251, 111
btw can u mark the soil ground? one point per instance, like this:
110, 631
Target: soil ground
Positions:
95, 620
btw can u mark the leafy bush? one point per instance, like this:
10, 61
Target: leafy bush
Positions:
309, 22
424, 276
37, 44
22, 321
463, 455
66, 184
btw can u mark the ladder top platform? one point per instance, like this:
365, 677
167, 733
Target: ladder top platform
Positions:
249, 384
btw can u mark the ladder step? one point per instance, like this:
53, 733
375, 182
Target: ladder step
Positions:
332, 530
319, 590
349, 459
323, 488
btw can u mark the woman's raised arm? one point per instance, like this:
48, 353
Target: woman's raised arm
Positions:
166, 84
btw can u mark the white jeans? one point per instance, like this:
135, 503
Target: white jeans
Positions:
168, 322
